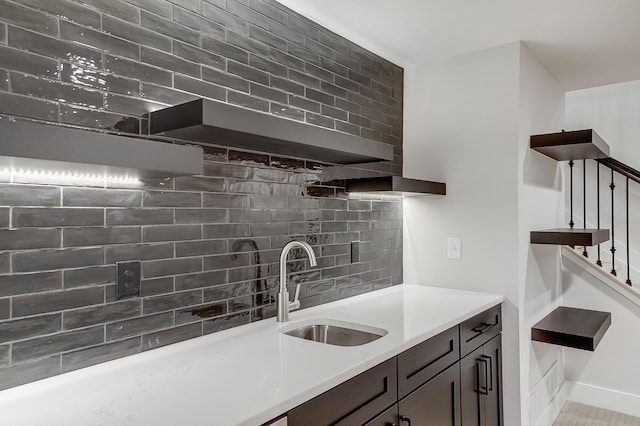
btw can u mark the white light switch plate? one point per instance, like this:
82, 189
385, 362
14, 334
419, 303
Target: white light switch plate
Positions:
454, 248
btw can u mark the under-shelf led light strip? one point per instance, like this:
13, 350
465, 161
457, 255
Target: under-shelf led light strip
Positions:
50, 176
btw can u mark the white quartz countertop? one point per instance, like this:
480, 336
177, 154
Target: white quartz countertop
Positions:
243, 376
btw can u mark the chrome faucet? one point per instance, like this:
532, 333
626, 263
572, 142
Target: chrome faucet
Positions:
283, 305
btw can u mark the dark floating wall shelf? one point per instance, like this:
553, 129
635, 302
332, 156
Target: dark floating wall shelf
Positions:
573, 145
570, 237
396, 185
572, 327
41, 148
219, 123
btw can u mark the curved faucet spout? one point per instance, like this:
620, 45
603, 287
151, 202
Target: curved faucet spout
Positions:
283, 304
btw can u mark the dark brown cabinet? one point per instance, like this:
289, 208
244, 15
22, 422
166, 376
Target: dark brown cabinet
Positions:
481, 385
353, 402
436, 403
452, 379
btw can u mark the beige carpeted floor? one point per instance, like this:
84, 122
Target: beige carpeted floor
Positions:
574, 414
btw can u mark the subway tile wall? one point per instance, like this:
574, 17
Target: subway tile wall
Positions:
209, 244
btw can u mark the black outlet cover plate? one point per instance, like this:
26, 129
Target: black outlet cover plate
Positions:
127, 279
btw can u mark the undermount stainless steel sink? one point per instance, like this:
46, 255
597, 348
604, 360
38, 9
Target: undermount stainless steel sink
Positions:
336, 335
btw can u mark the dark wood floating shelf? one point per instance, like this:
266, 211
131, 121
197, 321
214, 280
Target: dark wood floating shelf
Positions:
572, 327
573, 145
570, 237
218, 123
396, 185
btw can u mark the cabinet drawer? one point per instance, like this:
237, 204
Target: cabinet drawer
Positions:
480, 329
353, 402
422, 362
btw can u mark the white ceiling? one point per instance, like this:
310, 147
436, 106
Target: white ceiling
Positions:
583, 43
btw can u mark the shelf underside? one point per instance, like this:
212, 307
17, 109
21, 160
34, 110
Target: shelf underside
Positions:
574, 145
396, 185
570, 237
572, 327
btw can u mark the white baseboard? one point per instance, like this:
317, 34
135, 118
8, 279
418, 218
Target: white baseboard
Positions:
608, 399
554, 407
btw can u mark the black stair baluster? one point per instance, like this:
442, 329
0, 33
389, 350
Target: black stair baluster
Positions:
584, 201
613, 228
571, 194
599, 262
628, 266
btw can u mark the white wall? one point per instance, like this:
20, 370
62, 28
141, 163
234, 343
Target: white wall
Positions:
467, 122
610, 376
541, 206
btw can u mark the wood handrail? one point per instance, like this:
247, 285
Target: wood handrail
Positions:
621, 168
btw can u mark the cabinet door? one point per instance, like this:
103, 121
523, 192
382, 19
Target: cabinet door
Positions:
388, 418
481, 385
472, 385
493, 400
436, 403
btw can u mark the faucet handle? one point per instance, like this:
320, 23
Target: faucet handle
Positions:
296, 303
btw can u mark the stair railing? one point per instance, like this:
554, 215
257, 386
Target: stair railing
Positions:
629, 174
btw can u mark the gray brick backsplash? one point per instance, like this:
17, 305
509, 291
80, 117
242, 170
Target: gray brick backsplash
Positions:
199, 280
29, 327
44, 346
98, 40
209, 245
39, 303
248, 101
137, 70
31, 261
28, 107
52, 47
102, 353
158, 268
89, 276
21, 373
5, 356
225, 79
225, 49
135, 33
171, 233
154, 286
100, 197
5, 308
213, 9
76, 74
139, 252
173, 301
197, 22
28, 195
94, 315
248, 72
78, 237
29, 283
138, 216
171, 29
200, 215
171, 199
166, 337
41, 217
247, 43
138, 326
5, 262
204, 89
17, 60
200, 248
28, 18
21, 239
